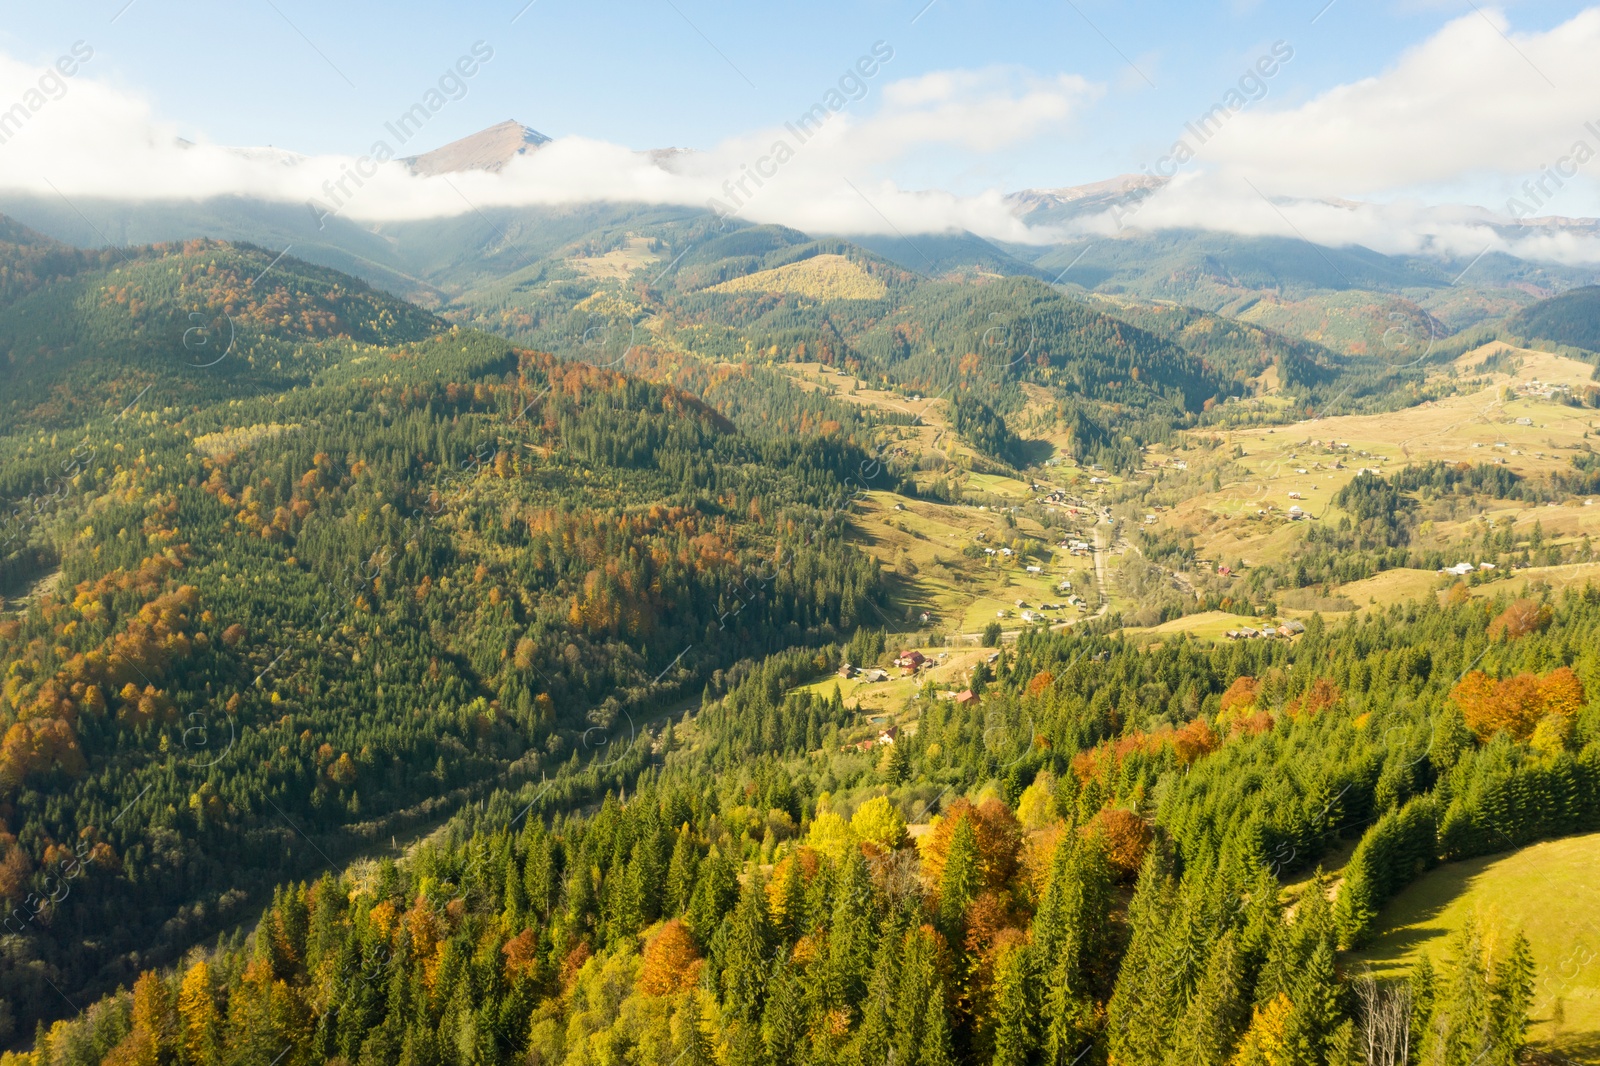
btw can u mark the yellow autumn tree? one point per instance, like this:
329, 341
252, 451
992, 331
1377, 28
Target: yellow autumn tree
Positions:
1039, 805
831, 835
880, 821
1264, 1042
197, 1015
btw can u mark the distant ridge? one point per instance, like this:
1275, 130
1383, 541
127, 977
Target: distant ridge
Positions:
489, 150
1045, 206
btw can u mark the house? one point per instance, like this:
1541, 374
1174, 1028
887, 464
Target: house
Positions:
1032, 616
993, 658
1225, 571
1294, 626
846, 671
1065, 586
913, 659
875, 675
1035, 569
888, 735
1007, 552
1460, 569
1488, 566
965, 696
1295, 496
1296, 513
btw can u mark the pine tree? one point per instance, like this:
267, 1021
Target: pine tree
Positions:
1511, 998
1016, 1008
936, 1049
689, 1037
918, 978
743, 964
875, 1035
1211, 1024
680, 872
783, 1023
850, 939
1316, 1006
962, 881
1143, 1005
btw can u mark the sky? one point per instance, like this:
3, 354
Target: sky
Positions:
1405, 106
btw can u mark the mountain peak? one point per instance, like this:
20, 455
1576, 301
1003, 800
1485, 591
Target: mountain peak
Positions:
490, 149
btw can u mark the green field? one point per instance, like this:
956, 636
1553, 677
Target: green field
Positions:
1551, 891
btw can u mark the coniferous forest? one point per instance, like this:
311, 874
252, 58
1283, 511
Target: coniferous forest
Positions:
294, 570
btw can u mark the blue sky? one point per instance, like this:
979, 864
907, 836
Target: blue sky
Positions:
1408, 107
647, 73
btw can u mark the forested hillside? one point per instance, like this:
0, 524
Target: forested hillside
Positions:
293, 565
293, 569
1568, 319
1104, 879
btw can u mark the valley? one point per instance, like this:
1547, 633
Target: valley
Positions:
761, 602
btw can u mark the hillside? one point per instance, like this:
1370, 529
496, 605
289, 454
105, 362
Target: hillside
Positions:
762, 874
294, 569
1548, 890
290, 566
1571, 319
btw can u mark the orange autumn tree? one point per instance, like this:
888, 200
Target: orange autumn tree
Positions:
1124, 835
1241, 695
1516, 704
1322, 695
1521, 618
1195, 740
671, 961
999, 841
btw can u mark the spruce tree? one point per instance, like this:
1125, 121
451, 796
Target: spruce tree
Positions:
1510, 1001
962, 881
1217, 1013
1016, 1008
743, 967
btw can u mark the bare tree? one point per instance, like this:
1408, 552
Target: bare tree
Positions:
1385, 1021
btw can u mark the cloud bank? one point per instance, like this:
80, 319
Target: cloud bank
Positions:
1478, 104
91, 140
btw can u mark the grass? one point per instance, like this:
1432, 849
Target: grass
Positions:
963, 594
822, 277
1260, 467
618, 263
1390, 587
1209, 625
1550, 892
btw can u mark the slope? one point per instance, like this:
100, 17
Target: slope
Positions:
270, 607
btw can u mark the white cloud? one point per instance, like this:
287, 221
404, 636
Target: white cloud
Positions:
1476, 97
97, 141
1470, 108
